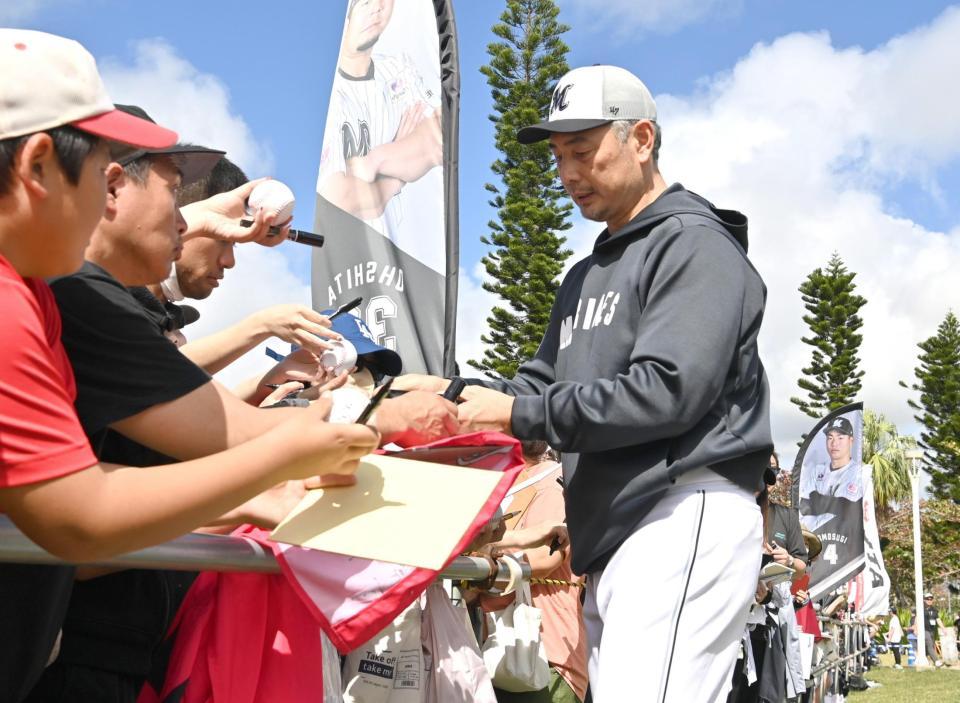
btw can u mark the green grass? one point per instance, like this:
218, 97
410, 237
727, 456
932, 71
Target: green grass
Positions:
907, 686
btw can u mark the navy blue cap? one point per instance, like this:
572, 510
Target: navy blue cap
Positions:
358, 334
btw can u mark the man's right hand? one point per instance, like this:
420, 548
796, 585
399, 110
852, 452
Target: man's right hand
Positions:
416, 418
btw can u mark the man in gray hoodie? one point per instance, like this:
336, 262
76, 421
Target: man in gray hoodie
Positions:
649, 382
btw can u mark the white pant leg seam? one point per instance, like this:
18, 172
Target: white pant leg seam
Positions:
678, 609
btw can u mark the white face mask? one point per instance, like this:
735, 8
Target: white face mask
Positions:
171, 286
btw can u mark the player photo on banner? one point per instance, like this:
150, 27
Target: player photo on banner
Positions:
381, 189
828, 476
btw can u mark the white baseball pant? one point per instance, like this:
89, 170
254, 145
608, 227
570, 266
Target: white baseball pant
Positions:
665, 616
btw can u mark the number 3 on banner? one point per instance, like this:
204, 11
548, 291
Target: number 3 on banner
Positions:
830, 554
379, 310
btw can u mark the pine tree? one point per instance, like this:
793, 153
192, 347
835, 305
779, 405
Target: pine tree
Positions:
832, 379
531, 205
938, 383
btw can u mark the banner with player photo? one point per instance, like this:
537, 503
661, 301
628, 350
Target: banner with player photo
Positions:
829, 490
387, 183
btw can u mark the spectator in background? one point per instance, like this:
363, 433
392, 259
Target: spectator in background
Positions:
894, 636
784, 537
555, 589
56, 126
931, 621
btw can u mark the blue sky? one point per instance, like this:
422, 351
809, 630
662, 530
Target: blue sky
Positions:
832, 124
278, 67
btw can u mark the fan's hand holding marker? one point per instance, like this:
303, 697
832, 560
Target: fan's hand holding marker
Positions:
276, 198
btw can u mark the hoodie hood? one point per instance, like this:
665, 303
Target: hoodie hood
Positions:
675, 201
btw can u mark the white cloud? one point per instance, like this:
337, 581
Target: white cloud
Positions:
803, 137
179, 96
626, 17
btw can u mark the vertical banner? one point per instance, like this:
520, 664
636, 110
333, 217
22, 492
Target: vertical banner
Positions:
874, 581
387, 185
828, 478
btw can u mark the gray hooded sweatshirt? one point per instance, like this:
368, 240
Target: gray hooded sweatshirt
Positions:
649, 368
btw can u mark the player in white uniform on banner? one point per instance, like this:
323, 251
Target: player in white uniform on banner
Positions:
383, 124
839, 478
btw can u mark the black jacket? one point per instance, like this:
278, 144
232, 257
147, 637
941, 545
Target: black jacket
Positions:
649, 368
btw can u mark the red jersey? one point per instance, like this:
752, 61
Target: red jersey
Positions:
40, 435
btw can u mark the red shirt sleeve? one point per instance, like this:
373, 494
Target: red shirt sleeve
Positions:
40, 435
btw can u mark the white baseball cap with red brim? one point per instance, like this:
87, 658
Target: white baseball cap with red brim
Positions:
48, 81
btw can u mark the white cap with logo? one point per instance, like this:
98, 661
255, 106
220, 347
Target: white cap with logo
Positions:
592, 96
47, 81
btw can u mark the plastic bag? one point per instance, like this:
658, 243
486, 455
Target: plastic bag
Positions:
456, 670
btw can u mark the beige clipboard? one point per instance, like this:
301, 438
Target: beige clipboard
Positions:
402, 511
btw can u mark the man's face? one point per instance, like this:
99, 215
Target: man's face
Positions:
839, 447
153, 223
599, 173
774, 463
82, 208
366, 22
202, 264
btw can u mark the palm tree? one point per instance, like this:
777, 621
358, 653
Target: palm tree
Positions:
883, 448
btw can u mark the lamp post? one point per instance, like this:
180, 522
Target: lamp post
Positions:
915, 454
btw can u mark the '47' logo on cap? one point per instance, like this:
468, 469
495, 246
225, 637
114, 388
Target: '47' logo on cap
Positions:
559, 102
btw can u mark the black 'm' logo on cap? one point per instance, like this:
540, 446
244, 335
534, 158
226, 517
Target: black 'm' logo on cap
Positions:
559, 102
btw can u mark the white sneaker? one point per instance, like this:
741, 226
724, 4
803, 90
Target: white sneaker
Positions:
897, 666
939, 663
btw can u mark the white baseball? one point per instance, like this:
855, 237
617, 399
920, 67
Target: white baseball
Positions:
275, 198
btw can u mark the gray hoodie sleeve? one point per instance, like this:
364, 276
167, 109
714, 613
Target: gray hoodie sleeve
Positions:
691, 295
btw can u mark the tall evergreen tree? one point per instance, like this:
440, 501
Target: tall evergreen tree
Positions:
531, 205
938, 383
832, 379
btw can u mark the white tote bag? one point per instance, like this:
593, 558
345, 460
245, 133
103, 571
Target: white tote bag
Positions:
389, 668
514, 652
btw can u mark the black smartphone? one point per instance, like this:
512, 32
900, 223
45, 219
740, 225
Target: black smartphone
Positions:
346, 307
374, 402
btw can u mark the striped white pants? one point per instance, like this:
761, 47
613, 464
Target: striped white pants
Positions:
665, 616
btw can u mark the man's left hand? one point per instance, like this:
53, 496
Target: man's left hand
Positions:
484, 410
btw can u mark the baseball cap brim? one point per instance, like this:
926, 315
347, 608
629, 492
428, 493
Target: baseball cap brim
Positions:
386, 360
543, 130
118, 126
193, 161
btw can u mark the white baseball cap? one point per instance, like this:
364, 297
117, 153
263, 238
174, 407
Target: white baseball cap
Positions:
47, 81
589, 97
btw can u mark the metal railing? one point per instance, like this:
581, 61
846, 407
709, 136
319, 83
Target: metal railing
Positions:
203, 552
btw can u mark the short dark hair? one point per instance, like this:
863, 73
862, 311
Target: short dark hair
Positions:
224, 177
71, 145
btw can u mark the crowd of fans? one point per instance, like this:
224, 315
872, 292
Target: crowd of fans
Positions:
114, 436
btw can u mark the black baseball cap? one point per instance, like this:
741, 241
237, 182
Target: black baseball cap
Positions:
193, 161
839, 424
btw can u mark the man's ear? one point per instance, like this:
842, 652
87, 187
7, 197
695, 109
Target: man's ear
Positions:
36, 165
116, 181
645, 134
